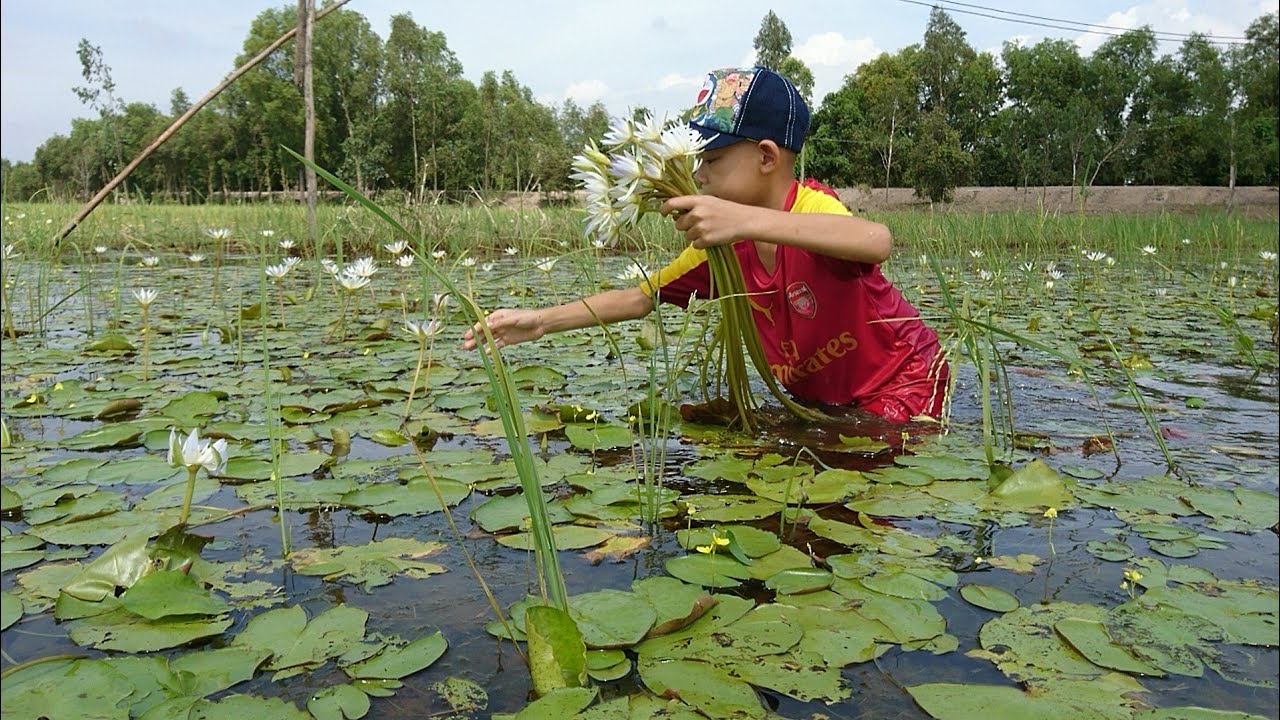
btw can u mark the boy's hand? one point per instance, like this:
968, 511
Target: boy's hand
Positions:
706, 221
508, 327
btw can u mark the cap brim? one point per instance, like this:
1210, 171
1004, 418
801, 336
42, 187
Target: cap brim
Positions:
718, 139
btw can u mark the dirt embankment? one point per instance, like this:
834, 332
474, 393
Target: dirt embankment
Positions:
1260, 202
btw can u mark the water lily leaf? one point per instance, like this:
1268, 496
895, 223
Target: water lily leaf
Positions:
327, 635
617, 549
291, 465
611, 618
1091, 639
107, 436
272, 631
567, 537
338, 702
989, 597
541, 377
733, 508
463, 696
797, 581
676, 603
118, 408
557, 654
714, 571
945, 467
784, 558
752, 541
396, 663
1024, 645
509, 512
560, 703
956, 701
163, 593
803, 682
722, 467
1111, 550
41, 690
903, 583
602, 436
192, 409
860, 444
1235, 509
371, 565
388, 437
238, 707
110, 343
1175, 548
703, 686
124, 631
119, 566
10, 609
417, 497
145, 469
1033, 485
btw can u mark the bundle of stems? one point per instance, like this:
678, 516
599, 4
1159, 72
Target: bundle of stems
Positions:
647, 163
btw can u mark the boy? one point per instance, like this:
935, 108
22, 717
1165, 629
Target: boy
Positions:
834, 330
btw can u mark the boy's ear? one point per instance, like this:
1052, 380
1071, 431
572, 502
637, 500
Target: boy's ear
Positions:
770, 156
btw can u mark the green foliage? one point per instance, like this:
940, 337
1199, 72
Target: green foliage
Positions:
400, 118
937, 162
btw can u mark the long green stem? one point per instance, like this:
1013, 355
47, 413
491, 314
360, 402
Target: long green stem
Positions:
186, 497
146, 344
417, 373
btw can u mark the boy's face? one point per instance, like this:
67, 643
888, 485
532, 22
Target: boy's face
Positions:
731, 172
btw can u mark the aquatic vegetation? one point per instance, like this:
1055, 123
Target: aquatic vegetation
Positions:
845, 561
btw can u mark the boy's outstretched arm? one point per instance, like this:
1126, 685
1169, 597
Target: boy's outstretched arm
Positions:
510, 326
707, 221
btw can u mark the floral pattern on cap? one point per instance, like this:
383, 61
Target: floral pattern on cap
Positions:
719, 102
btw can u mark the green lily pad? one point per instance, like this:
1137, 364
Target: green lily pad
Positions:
399, 662
989, 597
611, 618
714, 571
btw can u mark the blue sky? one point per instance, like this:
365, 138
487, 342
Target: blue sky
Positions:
651, 53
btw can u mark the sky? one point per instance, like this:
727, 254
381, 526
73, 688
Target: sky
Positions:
624, 54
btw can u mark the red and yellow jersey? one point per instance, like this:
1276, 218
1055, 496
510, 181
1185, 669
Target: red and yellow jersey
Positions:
834, 331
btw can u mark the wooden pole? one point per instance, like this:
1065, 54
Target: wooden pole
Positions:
97, 199
309, 115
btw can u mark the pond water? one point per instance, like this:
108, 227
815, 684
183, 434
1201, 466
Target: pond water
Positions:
1121, 510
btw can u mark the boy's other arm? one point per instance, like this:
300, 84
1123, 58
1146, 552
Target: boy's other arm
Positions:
708, 221
510, 326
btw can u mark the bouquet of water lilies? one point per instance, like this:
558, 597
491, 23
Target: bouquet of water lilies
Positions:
642, 164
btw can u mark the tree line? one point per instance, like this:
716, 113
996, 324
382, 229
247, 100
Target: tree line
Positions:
399, 119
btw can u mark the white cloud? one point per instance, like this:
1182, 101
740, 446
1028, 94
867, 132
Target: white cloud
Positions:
672, 81
831, 49
586, 91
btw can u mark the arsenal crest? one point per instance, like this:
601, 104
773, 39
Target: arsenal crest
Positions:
802, 300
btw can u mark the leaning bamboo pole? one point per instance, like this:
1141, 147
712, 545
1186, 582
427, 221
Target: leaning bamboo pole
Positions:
97, 199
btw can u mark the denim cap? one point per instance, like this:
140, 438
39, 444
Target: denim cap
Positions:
753, 103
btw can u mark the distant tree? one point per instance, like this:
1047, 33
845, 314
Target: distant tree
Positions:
891, 87
794, 69
100, 94
936, 161
772, 43
1255, 68
837, 146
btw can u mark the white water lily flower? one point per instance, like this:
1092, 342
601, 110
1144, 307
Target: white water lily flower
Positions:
329, 266
487, 267
1048, 284
634, 272
404, 261
276, 272
218, 233
194, 453
439, 254
352, 283
976, 254
195, 258
1267, 256
469, 262
423, 330
1055, 274
287, 244
292, 261
985, 275
1148, 249
1233, 281
1111, 261
510, 250
150, 261
145, 296
1186, 241
1093, 255
546, 264
440, 301
1028, 266
363, 267
396, 248
621, 133
100, 249
1161, 292
267, 233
